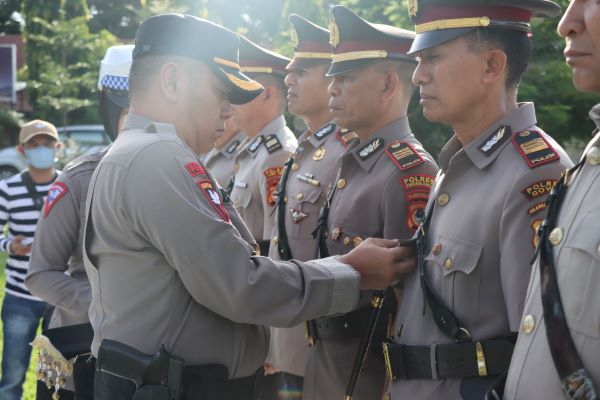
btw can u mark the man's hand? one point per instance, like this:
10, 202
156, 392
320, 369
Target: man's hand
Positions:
269, 369
380, 262
18, 248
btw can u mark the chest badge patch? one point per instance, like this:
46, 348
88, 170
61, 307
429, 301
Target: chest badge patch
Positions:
297, 215
496, 139
534, 148
56, 192
212, 195
319, 154
404, 155
370, 148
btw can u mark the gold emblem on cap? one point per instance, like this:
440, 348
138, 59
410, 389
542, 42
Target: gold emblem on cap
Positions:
413, 8
294, 37
334, 34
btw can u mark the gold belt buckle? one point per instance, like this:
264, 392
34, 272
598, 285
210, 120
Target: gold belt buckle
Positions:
481, 366
388, 362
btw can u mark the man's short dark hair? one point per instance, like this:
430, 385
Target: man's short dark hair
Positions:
516, 44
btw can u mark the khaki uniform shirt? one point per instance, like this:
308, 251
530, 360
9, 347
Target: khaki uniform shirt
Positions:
532, 373
383, 183
168, 266
220, 162
56, 271
259, 167
488, 204
306, 190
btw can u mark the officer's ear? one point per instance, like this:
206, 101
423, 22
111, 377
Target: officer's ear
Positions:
170, 78
495, 67
391, 84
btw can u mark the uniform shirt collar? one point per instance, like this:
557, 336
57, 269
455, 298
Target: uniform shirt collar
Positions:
395, 130
272, 128
233, 146
519, 119
137, 121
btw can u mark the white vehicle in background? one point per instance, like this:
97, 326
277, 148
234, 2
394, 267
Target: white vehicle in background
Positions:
76, 139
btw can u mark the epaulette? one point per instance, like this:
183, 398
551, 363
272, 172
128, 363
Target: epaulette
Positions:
85, 161
404, 155
373, 147
232, 147
495, 140
534, 148
345, 136
253, 146
325, 131
272, 143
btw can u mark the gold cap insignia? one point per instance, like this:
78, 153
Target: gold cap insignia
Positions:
334, 34
413, 9
294, 37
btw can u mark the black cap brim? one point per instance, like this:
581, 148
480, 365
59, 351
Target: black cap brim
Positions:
120, 100
242, 88
427, 40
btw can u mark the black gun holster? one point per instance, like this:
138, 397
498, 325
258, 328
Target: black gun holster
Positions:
154, 377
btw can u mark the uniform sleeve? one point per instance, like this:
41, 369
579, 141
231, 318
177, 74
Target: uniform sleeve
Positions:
271, 173
523, 212
182, 218
4, 241
56, 238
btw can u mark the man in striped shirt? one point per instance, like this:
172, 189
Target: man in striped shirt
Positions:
22, 198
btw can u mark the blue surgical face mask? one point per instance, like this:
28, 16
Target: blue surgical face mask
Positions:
41, 157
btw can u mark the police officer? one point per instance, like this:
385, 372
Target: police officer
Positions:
56, 272
165, 259
455, 328
306, 178
269, 142
381, 188
220, 160
556, 356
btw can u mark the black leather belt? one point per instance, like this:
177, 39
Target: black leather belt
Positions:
445, 361
346, 326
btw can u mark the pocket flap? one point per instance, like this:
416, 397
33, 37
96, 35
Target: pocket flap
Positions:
453, 254
585, 236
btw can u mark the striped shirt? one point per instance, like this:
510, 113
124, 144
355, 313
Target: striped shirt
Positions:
17, 209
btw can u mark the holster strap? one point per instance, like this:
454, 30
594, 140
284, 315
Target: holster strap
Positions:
444, 361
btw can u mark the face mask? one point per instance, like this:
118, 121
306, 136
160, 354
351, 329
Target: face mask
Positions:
41, 157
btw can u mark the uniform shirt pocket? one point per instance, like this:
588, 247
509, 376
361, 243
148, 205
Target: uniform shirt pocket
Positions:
579, 274
242, 199
455, 261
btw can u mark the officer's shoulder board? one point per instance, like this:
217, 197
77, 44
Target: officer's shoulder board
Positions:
346, 137
404, 155
325, 131
272, 143
534, 148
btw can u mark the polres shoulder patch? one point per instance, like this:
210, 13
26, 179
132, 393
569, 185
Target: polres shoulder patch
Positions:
55, 193
534, 148
325, 131
404, 155
212, 195
346, 137
273, 176
272, 143
540, 188
494, 141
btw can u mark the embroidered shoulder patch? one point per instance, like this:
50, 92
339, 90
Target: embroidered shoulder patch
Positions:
233, 147
273, 176
537, 208
417, 187
416, 212
55, 193
535, 225
325, 131
538, 189
212, 195
534, 148
272, 143
496, 139
195, 169
404, 155
345, 136
255, 144
374, 146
